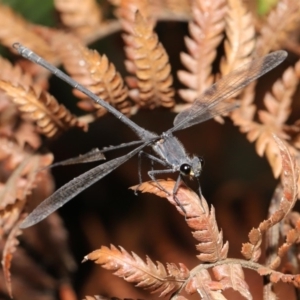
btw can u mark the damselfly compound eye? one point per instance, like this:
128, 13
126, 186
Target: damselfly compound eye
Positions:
185, 169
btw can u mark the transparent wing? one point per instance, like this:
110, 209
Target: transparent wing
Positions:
74, 187
211, 104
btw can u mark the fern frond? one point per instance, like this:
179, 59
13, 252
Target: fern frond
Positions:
126, 10
232, 276
14, 73
23, 179
202, 284
206, 30
292, 238
50, 117
133, 269
9, 248
150, 64
240, 37
281, 21
278, 104
95, 72
14, 28
197, 216
288, 198
80, 17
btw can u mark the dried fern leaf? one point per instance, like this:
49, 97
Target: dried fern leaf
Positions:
126, 10
10, 125
278, 104
8, 192
95, 72
281, 21
12, 153
206, 31
290, 177
273, 234
9, 248
289, 181
9, 217
133, 269
240, 37
108, 83
243, 116
23, 132
197, 216
292, 238
232, 276
79, 17
14, 73
23, 179
202, 284
252, 250
239, 46
275, 277
50, 117
148, 61
14, 28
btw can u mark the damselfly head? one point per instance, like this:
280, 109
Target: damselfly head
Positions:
193, 169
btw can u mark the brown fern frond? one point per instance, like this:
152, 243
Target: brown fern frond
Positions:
79, 17
278, 105
290, 177
9, 217
232, 276
23, 179
9, 191
197, 216
273, 234
13, 28
108, 83
206, 30
281, 21
14, 73
127, 9
133, 269
275, 277
149, 62
12, 153
243, 116
10, 125
239, 46
9, 248
240, 37
95, 72
202, 283
50, 117
292, 238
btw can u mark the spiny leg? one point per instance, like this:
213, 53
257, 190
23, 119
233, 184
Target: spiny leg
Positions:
152, 158
152, 176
